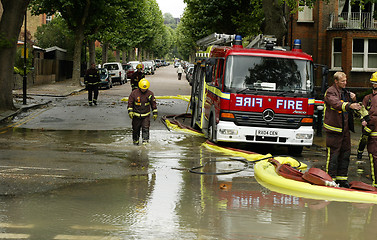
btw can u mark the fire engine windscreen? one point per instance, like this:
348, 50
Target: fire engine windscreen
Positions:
248, 73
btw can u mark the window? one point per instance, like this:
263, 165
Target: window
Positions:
48, 19
336, 62
220, 72
364, 54
255, 74
305, 13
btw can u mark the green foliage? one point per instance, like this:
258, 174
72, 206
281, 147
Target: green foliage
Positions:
123, 24
202, 18
56, 33
170, 21
111, 57
20, 62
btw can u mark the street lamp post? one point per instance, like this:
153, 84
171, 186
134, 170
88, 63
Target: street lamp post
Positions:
24, 77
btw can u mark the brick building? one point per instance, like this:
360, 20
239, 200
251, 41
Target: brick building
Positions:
33, 22
340, 35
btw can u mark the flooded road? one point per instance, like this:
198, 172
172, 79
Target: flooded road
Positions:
98, 186
68, 171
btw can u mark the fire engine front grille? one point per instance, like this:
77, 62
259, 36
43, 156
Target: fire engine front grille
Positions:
256, 120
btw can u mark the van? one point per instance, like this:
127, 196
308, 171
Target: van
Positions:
116, 71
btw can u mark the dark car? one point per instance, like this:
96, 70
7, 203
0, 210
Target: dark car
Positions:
106, 81
129, 70
189, 74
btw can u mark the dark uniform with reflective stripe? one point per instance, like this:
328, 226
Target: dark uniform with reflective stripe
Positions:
141, 104
135, 78
338, 121
92, 80
370, 103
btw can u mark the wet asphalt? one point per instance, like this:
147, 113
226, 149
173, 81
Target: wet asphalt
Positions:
62, 107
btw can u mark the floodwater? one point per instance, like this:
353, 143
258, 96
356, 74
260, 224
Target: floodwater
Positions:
96, 185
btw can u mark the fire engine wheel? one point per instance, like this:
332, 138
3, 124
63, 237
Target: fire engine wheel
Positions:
295, 150
212, 130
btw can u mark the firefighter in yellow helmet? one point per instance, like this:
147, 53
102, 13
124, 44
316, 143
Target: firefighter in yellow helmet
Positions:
137, 76
141, 103
369, 130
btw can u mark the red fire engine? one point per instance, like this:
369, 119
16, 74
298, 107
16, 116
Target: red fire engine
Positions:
252, 94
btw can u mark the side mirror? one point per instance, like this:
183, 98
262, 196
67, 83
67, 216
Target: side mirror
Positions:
324, 85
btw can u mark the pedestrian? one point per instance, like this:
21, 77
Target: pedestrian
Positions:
338, 122
137, 76
92, 80
180, 71
370, 127
141, 103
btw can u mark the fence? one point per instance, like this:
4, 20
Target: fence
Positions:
353, 20
45, 71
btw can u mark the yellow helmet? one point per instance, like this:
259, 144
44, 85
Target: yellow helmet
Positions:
144, 84
139, 66
373, 78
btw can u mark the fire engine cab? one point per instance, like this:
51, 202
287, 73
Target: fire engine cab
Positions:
257, 95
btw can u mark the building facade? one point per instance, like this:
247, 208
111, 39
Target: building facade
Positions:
341, 35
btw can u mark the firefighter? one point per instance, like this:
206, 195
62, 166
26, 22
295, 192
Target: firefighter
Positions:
137, 76
338, 122
369, 136
140, 104
92, 81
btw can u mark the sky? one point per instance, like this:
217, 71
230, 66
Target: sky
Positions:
175, 7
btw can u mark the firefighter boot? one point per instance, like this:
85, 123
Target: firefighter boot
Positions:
362, 143
145, 135
359, 155
343, 183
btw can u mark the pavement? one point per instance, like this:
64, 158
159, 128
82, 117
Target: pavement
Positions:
36, 96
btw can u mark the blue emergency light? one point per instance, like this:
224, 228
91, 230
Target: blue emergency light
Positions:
297, 44
238, 40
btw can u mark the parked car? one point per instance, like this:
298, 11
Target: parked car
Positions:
189, 73
116, 71
128, 69
153, 63
188, 65
148, 67
158, 63
133, 65
106, 81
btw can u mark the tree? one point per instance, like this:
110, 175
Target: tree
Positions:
202, 18
10, 26
55, 33
76, 14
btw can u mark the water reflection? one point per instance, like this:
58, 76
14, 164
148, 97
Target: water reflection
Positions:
147, 192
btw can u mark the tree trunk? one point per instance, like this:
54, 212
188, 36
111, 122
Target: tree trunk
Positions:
274, 20
131, 55
92, 52
79, 38
124, 57
117, 55
10, 26
105, 48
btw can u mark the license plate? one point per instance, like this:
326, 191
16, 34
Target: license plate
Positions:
269, 133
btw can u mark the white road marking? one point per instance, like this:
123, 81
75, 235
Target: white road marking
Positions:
13, 236
74, 237
10, 225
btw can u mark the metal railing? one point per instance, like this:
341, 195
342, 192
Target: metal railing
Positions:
353, 20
